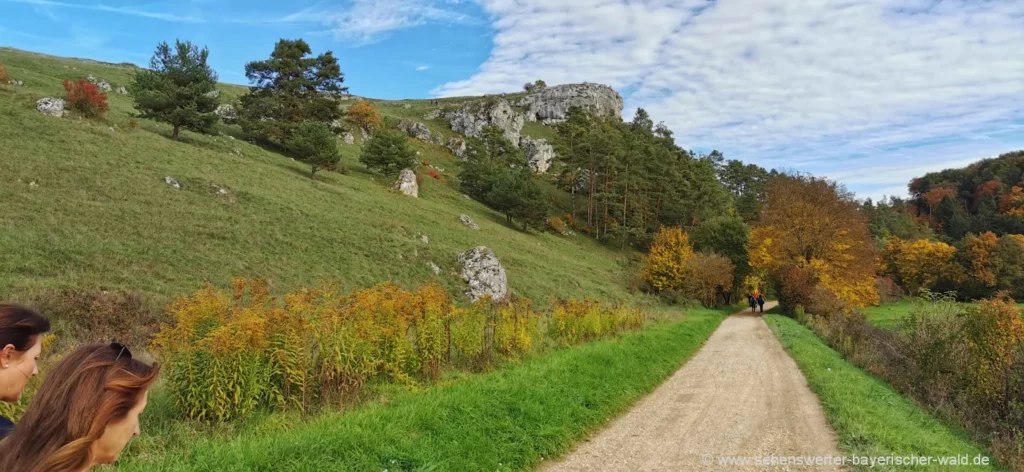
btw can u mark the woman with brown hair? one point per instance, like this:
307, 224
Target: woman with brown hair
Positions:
84, 414
21, 341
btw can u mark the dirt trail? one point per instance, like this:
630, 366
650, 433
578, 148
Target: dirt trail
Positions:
740, 395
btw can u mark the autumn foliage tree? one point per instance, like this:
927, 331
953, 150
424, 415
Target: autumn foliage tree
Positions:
917, 264
666, 265
935, 196
1013, 203
979, 254
85, 98
364, 115
812, 226
708, 278
994, 331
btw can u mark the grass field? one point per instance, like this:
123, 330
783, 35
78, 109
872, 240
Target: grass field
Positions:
509, 419
870, 418
85, 205
890, 314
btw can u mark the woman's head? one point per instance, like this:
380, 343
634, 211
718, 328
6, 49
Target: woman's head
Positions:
84, 413
21, 332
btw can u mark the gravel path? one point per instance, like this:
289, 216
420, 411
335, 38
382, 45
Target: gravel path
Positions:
740, 395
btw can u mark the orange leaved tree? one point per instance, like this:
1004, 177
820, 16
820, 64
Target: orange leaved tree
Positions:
980, 257
364, 114
813, 227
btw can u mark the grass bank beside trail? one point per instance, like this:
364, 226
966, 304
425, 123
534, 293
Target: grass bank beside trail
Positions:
889, 315
870, 418
510, 419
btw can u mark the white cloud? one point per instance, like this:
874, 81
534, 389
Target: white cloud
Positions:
368, 21
422, 68
824, 84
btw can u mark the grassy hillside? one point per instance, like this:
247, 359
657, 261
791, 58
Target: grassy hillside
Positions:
85, 205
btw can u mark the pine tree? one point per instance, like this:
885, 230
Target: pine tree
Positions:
178, 88
289, 88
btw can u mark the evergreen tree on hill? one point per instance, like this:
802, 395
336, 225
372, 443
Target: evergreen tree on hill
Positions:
289, 88
177, 88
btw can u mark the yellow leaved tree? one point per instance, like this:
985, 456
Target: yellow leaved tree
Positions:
812, 234
920, 263
666, 264
980, 252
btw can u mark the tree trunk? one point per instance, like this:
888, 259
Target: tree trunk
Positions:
625, 203
174, 134
312, 173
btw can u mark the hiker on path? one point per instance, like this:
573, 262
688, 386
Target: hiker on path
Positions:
752, 302
760, 301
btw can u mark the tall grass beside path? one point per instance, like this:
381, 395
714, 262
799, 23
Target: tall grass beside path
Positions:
510, 419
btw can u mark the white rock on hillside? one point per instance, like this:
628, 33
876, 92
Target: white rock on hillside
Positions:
407, 183
538, 154
551, 105
484, 274
469, 221
457, 146
226, 112
434, 267
472, 117
415, 129
172, 182
348, 138
122, 91
100, 84
51, 106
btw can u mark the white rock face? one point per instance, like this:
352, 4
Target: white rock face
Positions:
538, 154
122, 91
472, 117
407, 183
51, 106
415, 129
172, 182
348, 138
457, 146
552, 104
484, 274
469, 221
226, 112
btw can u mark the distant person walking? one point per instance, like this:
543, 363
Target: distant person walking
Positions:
760, 300
21, 340
752, 302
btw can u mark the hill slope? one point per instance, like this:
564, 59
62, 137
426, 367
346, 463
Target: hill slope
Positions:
987, 195
85, 205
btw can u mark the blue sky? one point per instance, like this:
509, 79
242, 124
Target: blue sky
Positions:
867, 92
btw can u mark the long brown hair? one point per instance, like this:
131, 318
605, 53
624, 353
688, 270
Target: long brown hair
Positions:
20, 326
90, 388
